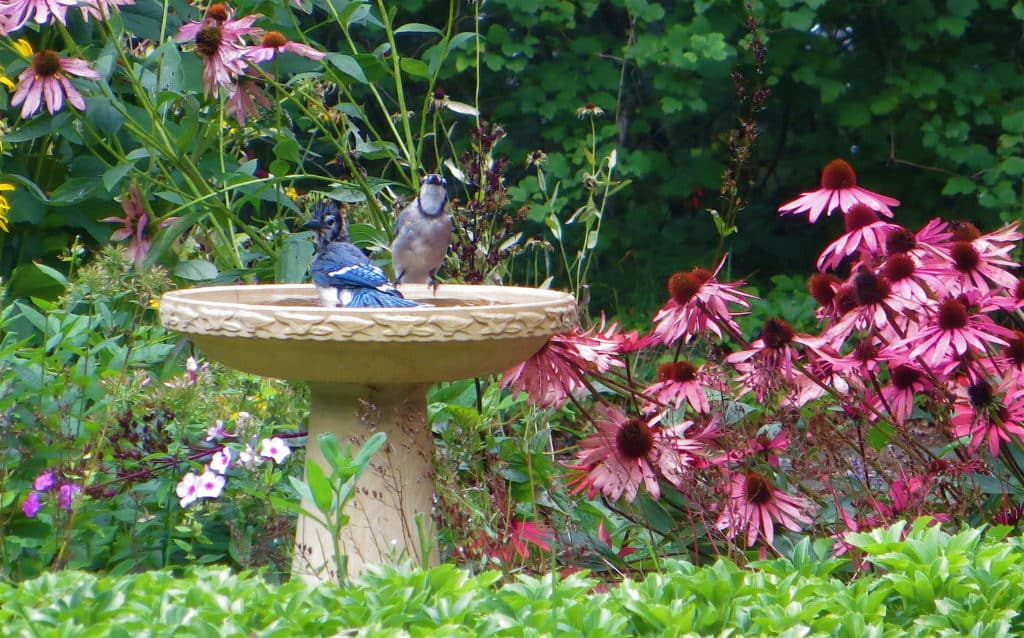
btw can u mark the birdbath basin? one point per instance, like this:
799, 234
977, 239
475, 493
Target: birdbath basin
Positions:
368, 370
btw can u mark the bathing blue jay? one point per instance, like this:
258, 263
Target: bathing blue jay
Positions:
422, 234
342, 273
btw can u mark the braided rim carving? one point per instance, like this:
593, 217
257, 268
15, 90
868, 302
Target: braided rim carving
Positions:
289, 311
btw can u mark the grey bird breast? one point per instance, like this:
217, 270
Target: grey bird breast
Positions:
420, 245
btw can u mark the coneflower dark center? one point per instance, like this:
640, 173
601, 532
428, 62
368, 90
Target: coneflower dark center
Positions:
777, 333
218, 11
46, 63
846, 299
859, 216
274, 39
869, 288
980, 393
964, 231
900, 240
838, 174
634, 439
678, 371
758, 489
208, 40
965, 256
865, 350
903, 377
952, 315
683, 286
899, 267
1014, 350
822, 287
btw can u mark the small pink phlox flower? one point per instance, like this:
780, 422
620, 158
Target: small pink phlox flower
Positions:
838, 190
66, 495
32, 504
48, 78
188, 488
209, 484
217, 432
274, 448
44, 481
221, 460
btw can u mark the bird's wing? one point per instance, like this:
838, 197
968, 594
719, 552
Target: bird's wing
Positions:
344, 265
358, 276
403, 216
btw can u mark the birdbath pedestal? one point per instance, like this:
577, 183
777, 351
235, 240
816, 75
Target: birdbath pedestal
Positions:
368, 370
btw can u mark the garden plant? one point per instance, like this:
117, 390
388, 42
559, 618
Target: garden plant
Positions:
820, 435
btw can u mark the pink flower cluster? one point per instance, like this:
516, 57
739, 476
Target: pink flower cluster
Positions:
46, 482
907, 318
224, 44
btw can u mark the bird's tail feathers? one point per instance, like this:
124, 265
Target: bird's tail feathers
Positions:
370, 298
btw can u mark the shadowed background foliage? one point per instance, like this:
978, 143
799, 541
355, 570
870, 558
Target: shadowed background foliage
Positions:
923, 98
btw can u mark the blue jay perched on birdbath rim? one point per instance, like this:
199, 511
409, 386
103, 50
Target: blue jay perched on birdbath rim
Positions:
342, 274
422, 234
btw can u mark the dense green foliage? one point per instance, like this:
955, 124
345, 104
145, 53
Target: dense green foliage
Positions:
928, 584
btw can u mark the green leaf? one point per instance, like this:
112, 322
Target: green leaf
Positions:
293, 259
347, 65
418, 27
74, 191
37, 128
36, 280
320, 487
415, 68
196, 270
113, 175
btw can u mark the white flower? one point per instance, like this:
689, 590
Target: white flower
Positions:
217, 431
248, 456
210, 485
188, 488
275, 449
221, 460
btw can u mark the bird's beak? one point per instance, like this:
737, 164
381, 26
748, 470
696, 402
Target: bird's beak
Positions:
311, 225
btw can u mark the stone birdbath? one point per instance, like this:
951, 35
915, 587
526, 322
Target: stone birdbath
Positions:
368, 370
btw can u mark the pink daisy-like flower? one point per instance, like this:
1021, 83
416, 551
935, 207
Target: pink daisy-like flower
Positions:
522, 532
219, 43
977, 268
955, 329
679, 382
15, 13
47, 78
274, 448
768, 365
838, 190
246, 100
133, 225
626, 453
755, 505
989, 415
558, 369
875, 307
221, 460
102, 9
698, 303
865, 233
905, 382
274, 42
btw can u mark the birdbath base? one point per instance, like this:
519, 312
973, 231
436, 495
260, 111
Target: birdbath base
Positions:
390, 518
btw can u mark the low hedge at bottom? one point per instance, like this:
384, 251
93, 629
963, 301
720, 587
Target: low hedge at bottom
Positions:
919, 581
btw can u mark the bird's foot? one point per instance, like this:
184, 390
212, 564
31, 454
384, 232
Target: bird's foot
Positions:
433, 284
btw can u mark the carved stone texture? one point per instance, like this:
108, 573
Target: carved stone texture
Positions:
279, 331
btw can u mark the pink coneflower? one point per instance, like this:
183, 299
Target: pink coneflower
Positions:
15, 13
219, 42
755, 505
824, 287
627, 452
955, 329
679, 382
768, 365
102, 9
976, 266
558, 369
910, 280
989, 415
245, 100
865, 233
905, 382
698, 303
838, 190
274, 42
133, 225
522, 533
933, 240
48, 77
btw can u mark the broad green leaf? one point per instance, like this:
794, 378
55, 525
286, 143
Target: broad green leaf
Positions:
347, 65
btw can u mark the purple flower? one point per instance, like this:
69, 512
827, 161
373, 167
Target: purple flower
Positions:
44, 481
66, 495
31, 506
